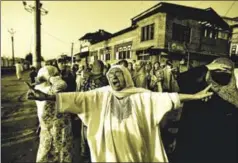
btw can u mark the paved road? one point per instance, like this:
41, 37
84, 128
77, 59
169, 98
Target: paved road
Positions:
19, 122
19, 142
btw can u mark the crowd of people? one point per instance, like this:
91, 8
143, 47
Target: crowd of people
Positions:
136, 112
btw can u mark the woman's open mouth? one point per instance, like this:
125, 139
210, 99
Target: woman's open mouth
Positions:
116, 83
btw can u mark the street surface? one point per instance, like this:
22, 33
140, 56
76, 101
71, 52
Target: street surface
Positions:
19, 143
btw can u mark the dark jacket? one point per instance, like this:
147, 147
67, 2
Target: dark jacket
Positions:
207, 130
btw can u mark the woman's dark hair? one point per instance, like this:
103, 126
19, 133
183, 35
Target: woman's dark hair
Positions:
156, 62
153, 68
168, 62
75, 67
33, 69
55, 64
108, 66
101, 65
123, 62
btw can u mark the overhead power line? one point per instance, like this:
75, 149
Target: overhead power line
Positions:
230, 7
64, 42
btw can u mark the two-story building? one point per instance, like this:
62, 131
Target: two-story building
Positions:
186, 35
233, 23
86, 41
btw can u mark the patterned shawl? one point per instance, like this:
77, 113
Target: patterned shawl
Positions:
227, 92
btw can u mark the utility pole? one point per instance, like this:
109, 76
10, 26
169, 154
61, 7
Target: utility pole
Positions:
37, 58
188, 63
186, 49
72, 51
38, 11
12, 32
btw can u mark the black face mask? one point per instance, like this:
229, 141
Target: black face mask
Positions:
221, 78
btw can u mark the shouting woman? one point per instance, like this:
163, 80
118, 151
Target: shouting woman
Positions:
122, 120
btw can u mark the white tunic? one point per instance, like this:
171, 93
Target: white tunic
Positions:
19, 70
134, 138
236, 76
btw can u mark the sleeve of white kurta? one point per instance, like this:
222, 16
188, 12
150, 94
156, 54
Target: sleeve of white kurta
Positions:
236, 76
81, 103
162, 103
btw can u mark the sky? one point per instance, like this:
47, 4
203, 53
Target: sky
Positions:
67, 21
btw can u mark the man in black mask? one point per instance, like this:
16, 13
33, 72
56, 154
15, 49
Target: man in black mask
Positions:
208, 130
221, 77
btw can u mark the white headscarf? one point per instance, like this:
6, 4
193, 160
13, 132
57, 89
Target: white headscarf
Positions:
46, 71
50, 70
129, 89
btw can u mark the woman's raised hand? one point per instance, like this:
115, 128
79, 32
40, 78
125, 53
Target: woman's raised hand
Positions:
204, 95
34, 94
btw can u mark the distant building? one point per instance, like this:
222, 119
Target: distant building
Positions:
233, 23
8, 62
87, 40
167, 31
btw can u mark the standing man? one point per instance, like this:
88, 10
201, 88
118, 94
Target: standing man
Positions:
33, 74
19, 70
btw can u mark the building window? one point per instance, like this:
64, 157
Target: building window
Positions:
143, 57
122, 55
107, 55
147, 32
124, 52
93, 56
181, 33
101, 57
210, 33
96, 57
129, 52
222, 35
233, 49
